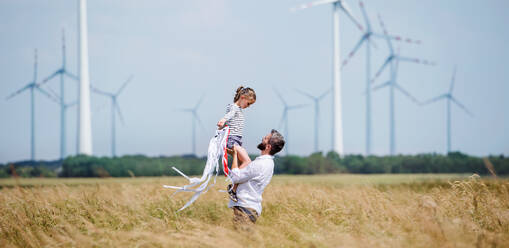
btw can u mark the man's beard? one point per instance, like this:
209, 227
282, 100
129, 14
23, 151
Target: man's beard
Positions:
262, 146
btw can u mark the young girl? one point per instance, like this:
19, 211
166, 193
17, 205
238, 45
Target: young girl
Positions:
234, 118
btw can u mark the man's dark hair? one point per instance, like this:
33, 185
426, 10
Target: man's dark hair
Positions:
276, 141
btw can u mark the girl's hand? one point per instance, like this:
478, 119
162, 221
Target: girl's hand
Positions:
221, 123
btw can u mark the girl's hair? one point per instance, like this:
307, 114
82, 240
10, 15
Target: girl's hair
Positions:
242, 91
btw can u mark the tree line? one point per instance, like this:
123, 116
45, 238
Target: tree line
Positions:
317, 163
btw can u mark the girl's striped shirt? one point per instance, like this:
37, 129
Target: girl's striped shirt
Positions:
234, 119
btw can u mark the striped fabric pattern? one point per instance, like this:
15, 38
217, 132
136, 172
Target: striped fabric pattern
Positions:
234, 119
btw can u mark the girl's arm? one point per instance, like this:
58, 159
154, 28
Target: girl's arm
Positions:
228, 116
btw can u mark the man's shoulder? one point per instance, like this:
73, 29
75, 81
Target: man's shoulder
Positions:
265, 157
264, 160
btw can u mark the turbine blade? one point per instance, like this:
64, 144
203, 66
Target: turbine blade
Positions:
417, 61
365, 15
387, 61
199, 121
283, 117
461, 106
434, 99
324, 94
18, 91
124, 85
280, 97
71, 75
199, 101
406, 93
381, 86
98, 91
305, 94
382, 24
312, 4
344, 6
119, 112
452, 80
354, 50
372, 42
70, 104
47, 95
398, 38
50, 77
53, 92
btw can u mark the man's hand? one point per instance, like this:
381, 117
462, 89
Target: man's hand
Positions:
232, 152
220, 123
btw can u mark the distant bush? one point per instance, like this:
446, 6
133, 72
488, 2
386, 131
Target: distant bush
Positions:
132, 165
3, 173
454, 162
27, 171
316, 163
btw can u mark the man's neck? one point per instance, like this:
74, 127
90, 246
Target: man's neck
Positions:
265, 153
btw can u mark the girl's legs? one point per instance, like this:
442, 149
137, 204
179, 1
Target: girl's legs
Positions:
242, 155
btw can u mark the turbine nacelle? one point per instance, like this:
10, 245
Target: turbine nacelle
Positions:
338, 4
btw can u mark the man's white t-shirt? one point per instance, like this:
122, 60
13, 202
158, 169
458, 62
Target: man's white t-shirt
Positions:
252, 181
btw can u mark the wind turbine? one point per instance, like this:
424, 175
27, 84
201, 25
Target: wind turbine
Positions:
62, 71
114, 108
284, 117
337, 119
448, 96
32, 86
316, 100
366, 38
84, 140
393, 61
196, 118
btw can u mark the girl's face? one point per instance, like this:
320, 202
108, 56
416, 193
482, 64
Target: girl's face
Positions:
245, 102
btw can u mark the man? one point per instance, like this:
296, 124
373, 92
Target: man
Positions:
253, 179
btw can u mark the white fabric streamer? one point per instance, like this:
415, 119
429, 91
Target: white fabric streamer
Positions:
217, 146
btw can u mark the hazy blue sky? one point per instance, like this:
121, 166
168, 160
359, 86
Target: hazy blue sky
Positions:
178, 50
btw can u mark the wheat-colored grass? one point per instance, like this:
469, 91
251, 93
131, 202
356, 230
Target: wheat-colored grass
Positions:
316, 211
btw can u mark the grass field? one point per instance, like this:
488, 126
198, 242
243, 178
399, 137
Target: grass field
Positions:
298, 211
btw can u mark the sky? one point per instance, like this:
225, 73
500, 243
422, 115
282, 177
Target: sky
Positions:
178, 51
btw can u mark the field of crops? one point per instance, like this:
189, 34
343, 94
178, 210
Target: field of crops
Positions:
310, 211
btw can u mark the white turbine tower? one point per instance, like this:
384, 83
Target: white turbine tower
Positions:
337, 121
114, 108
448, 96
316, 100
195, 118
32, 86
84, 118
284, 118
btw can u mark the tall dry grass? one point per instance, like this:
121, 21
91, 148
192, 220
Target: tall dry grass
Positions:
465, 213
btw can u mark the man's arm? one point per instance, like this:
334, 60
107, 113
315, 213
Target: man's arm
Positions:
239, 175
